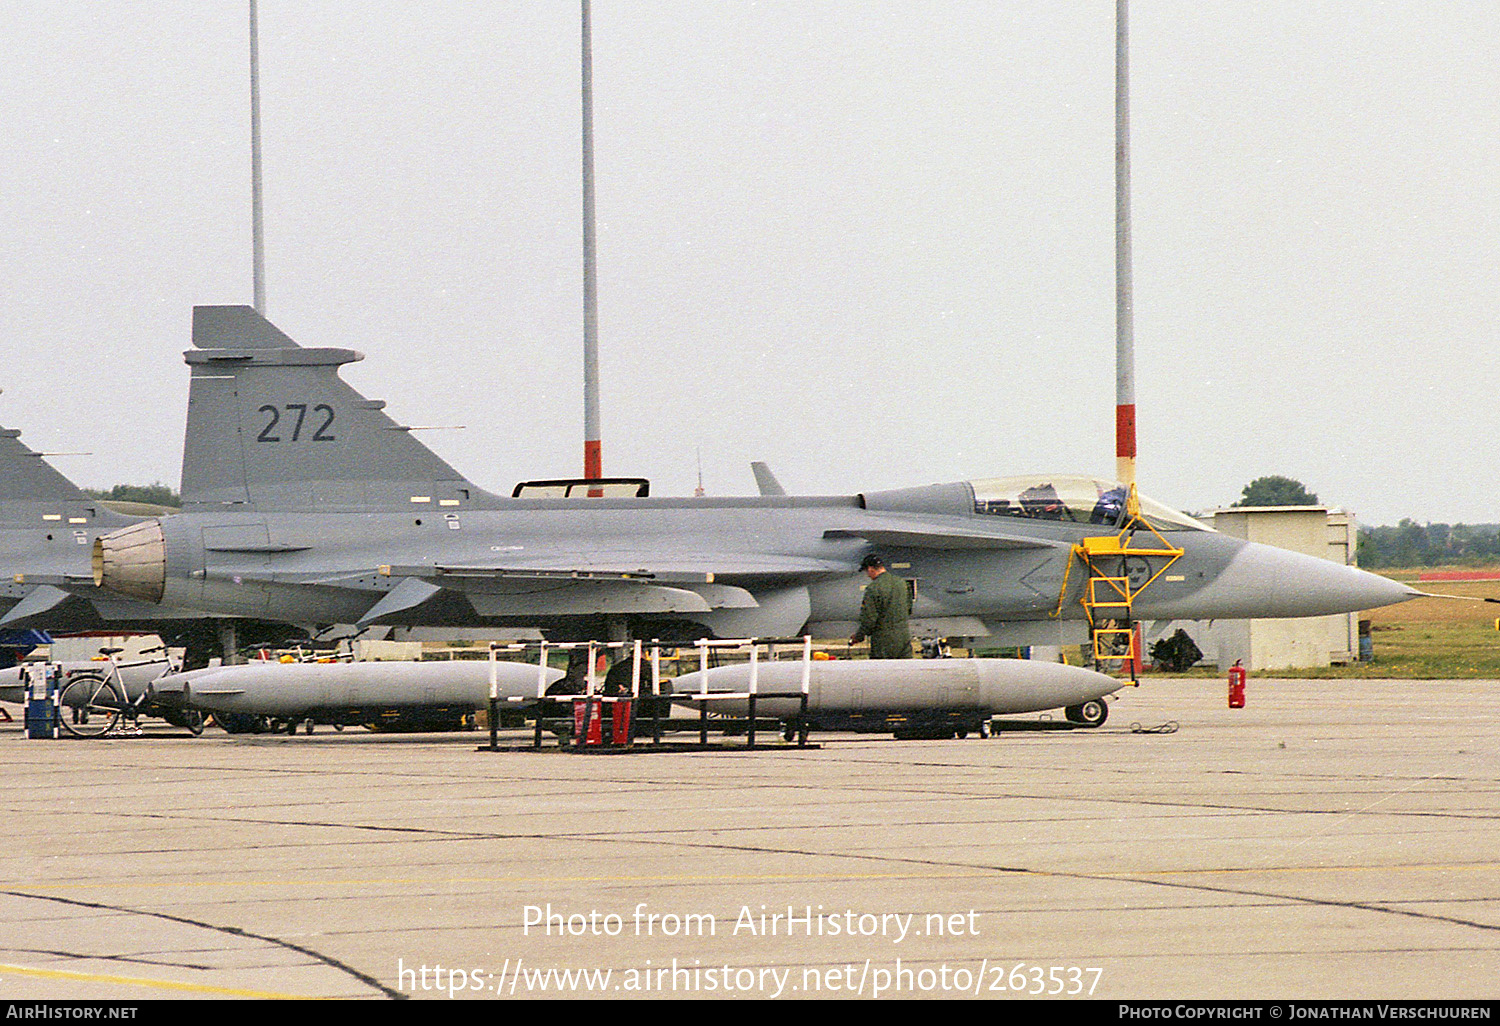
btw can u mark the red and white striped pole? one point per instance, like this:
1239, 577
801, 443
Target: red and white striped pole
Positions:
593, 462
1124, 318
1124, 311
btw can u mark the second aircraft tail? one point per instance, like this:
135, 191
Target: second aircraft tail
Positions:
271, 425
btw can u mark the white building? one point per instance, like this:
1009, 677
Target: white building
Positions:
1282, 644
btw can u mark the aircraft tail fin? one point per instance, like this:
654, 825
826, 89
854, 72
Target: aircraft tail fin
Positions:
27, 481
236, 327
765, 480
26, 477
271, 425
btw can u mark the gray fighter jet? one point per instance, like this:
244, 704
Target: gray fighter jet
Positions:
304, 502
47, 530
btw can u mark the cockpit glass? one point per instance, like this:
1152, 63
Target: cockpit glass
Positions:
1079, 500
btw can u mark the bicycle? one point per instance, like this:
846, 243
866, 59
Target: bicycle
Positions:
92, 702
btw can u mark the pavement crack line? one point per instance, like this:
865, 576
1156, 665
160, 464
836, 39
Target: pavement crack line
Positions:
233, 931
1094, 877
84, 956
764, 850
1363, 906
637, 838
932, 863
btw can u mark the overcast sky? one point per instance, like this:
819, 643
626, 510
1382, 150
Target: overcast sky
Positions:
868, 242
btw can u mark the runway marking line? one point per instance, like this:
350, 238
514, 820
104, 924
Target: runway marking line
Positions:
359, 882
133, 981
1437, 867
775, 878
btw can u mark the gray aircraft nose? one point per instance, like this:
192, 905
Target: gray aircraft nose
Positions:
1264, 581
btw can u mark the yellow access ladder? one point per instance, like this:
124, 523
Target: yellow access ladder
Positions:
1107, 594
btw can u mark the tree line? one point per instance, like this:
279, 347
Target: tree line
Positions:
155, 494
1412, 544
1407, 544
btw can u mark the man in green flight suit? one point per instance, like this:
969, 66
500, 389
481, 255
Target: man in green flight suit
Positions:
882, 616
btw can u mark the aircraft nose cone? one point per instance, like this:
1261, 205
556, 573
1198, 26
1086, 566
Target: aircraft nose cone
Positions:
1264, 581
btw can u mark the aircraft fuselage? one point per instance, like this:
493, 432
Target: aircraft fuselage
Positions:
758, 565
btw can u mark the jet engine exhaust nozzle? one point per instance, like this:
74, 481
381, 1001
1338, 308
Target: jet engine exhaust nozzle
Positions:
132, 561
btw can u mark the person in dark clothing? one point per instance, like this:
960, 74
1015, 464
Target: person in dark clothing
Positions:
884, 612
621, 675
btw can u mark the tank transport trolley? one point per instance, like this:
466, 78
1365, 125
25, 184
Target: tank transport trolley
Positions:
588, 707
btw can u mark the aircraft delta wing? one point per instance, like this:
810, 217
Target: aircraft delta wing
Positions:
304, 501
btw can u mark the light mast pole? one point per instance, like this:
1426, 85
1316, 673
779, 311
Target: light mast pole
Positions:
592, 455
1124, 314
257, 221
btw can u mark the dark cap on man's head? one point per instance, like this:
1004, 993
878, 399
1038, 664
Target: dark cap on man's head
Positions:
871, 560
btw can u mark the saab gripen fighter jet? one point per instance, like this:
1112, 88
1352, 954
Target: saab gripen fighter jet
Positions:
47, 530
304, 502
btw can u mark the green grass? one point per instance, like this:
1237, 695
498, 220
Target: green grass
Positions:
1428, 651
1407, 651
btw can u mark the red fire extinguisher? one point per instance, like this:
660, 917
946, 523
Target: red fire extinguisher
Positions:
1237, 686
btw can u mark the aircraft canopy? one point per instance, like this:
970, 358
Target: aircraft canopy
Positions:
1083, 500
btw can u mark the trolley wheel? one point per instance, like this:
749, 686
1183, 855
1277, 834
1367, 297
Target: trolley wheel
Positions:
241, 723
1090, 714
191, 720
984, 728
89, 705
